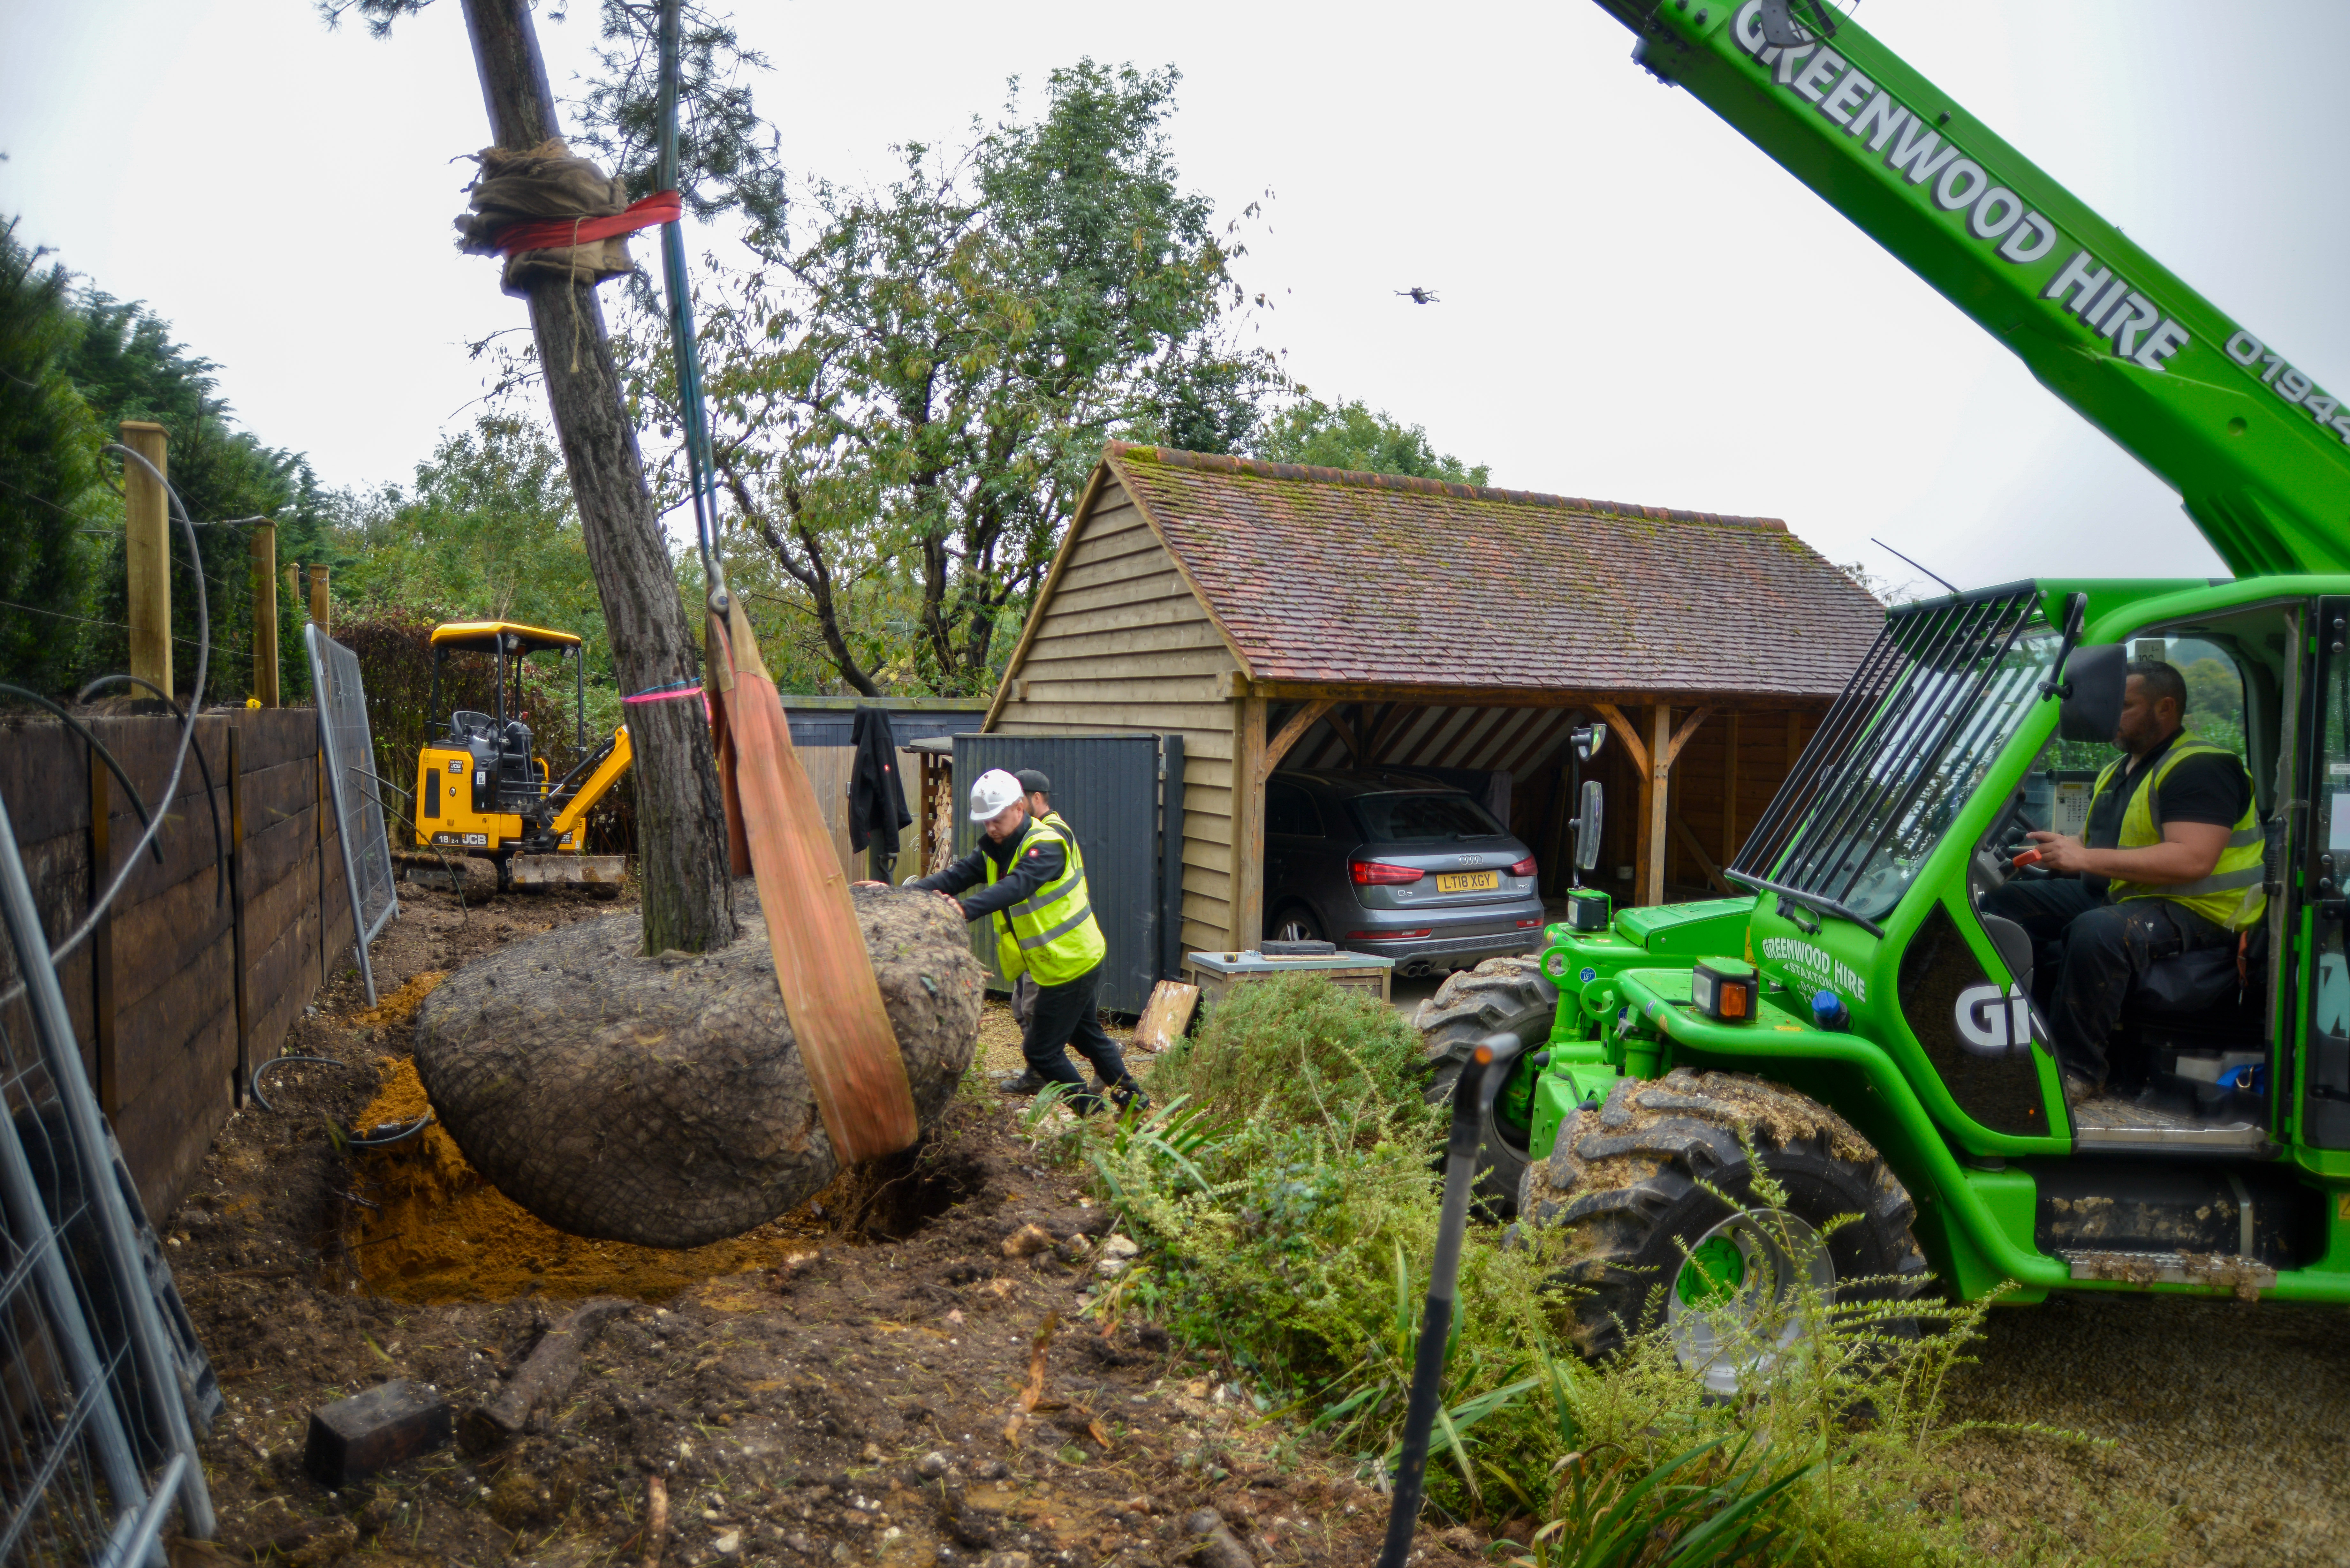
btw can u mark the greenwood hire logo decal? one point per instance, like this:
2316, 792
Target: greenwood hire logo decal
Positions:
1993, 1020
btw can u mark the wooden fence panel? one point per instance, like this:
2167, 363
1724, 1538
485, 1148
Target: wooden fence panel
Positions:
157, 984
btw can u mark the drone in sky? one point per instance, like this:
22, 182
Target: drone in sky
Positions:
1419, 296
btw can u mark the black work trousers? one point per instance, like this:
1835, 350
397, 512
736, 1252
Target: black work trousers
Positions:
1064, 1015
2096, 952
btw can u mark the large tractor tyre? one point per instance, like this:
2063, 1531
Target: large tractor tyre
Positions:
1656, 1195
1502, 995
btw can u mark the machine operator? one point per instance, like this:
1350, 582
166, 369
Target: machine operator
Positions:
2168, 862
1030, 882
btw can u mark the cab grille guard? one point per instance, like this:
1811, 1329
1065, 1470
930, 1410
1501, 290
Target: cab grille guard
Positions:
1808, 847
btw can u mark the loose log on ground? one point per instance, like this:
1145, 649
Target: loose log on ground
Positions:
544, 1376
662, 1100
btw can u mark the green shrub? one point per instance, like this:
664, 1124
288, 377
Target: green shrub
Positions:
1298, 1051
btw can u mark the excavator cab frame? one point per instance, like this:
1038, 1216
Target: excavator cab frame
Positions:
481, 789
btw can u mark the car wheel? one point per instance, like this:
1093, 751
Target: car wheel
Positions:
1710, 1203
1295, 923
1502, 995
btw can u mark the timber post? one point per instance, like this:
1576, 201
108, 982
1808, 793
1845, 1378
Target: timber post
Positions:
1248, 822
1656, 795
263, 547
147, 554
321, 609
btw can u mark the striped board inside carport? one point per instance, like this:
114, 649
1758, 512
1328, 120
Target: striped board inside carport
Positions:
1499, 740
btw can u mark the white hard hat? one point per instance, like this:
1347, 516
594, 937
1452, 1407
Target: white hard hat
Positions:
994, 791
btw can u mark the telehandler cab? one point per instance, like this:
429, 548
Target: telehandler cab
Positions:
480, 787
1862, 1030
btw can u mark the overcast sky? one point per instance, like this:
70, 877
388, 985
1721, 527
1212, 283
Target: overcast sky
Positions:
1637, 306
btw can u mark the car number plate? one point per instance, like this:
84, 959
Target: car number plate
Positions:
1467, 881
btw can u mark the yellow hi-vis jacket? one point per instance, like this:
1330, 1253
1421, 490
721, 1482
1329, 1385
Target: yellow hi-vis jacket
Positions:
2231, 895
1051, 934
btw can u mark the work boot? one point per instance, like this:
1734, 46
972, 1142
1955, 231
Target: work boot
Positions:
1124, 1093
2079, 1089
1027, 1081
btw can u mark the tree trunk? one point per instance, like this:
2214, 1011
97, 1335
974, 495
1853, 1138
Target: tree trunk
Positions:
680, 819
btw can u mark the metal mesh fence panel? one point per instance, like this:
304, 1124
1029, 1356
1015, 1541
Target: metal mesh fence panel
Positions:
356, 793
98, 1442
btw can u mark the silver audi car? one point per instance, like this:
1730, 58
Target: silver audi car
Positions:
1394, 863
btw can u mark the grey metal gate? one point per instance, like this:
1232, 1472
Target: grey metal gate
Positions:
1124, 797
359, 803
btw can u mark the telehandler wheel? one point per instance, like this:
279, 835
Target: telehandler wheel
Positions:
1638, 1187
1502, 995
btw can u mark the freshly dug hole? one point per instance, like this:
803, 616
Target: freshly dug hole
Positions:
433, 1231
662, 1100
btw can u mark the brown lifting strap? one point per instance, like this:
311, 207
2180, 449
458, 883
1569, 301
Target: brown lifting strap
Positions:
775, 831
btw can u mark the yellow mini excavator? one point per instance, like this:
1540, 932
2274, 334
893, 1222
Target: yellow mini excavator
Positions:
481, 789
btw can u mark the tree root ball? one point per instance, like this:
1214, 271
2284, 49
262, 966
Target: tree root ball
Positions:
662, 1100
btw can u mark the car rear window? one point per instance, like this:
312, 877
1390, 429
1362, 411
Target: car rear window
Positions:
1416, 818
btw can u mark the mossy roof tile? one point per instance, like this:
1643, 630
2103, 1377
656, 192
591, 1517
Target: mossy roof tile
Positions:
1319, 575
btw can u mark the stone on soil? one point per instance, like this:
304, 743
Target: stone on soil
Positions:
662, 1100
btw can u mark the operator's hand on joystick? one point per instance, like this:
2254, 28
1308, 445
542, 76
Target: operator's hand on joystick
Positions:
2057, 852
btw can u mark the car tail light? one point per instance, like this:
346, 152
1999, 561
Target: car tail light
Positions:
1525, 867
1523, 924
1379, 873
1389, 936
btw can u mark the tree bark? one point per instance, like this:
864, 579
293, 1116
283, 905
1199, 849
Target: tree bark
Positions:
681, 818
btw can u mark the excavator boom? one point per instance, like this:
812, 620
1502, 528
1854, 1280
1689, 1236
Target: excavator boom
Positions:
2258, 452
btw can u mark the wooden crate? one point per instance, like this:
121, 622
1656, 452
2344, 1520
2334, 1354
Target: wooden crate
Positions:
1216, 973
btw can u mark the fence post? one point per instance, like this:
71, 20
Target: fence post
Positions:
265, 613
147, 554
320, 610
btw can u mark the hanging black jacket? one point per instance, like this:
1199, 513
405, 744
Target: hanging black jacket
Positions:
877, 796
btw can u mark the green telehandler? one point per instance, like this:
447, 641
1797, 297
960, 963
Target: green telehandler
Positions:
1860, 1036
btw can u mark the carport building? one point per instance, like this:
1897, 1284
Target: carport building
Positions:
1284, 617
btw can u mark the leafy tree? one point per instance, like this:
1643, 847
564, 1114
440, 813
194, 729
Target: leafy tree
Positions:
1351, 436
486, 532
74, 364
48, 472
906, 405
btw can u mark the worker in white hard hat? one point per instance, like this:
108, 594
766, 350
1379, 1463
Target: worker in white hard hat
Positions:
1027, 879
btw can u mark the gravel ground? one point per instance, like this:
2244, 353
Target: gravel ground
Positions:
2232, 1417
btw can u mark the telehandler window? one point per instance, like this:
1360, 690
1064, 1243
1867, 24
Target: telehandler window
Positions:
1898, 757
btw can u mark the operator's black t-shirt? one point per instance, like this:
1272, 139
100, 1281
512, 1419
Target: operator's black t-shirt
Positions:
2210, 788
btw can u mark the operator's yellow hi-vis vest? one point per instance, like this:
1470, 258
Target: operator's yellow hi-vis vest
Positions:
1051, 933
2231, 895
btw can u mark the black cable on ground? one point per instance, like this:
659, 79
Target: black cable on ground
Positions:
99, 746
212, 796
378, 1139
252, 1084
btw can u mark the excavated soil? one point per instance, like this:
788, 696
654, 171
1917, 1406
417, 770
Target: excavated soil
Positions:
787, 1386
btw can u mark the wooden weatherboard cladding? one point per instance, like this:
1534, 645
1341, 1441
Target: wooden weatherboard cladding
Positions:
1275, 615
202, 963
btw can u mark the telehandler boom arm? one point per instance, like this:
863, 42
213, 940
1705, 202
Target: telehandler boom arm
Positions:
2259, 453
